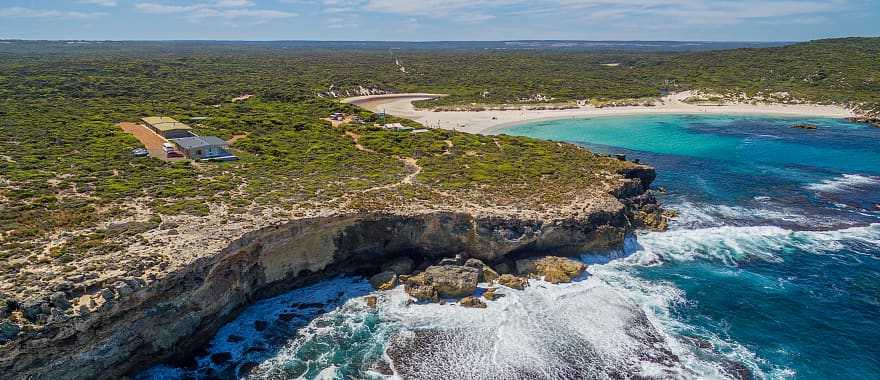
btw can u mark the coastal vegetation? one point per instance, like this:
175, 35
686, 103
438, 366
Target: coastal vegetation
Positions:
66, 169
84, 223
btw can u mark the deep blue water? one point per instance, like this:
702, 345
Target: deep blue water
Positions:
774, 251
770, 271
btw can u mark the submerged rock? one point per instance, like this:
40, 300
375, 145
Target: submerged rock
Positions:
513, 282
805, 126
221, 357
736, 370
384, 281
554, 269
472, 302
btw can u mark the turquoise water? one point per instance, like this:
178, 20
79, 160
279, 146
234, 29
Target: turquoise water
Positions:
775, 252
771, 271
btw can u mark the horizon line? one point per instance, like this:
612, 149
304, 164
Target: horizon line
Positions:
411, 41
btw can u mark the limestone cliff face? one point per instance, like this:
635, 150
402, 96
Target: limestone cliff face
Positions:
178, 313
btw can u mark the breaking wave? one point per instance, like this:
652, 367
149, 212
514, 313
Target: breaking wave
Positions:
845, 183
610, 324
730, 245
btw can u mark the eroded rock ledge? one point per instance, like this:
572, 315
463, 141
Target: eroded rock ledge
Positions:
171, 317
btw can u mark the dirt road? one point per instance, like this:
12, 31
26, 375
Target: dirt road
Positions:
152, 141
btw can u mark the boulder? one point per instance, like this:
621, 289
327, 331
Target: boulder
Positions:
446, 281
554, 269
386, 280
422, 292
472, 302
453, 281
513, 282
490, 294
371, 301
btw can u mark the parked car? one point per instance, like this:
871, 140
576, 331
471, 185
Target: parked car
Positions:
140, 152
168, 147
173, 154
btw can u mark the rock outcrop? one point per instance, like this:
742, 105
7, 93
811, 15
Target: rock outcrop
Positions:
866, 119
472, 302
552, 268
384, 281
513, 282
443, 281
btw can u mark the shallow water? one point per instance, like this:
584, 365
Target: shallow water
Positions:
771, 271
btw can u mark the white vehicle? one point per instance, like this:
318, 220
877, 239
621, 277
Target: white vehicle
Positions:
168, 147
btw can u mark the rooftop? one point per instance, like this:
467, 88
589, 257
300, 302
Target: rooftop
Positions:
199, 141
165, 124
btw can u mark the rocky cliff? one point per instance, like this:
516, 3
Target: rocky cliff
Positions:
141, 324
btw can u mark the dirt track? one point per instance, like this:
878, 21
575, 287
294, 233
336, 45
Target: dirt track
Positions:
152, 142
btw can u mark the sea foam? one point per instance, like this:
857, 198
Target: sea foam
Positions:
733, 244
845, 183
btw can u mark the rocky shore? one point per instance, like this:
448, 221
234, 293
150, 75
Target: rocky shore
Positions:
866, 119
136, 324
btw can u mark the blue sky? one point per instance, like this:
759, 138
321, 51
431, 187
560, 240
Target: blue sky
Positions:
426, 20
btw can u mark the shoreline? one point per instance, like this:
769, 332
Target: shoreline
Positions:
494, 121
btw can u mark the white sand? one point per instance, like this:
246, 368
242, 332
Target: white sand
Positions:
488, 122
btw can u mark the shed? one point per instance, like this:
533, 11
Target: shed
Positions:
167, 127
204, 147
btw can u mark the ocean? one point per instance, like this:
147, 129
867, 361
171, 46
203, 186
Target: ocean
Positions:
770, 271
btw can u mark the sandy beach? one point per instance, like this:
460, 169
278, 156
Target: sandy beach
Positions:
491, 121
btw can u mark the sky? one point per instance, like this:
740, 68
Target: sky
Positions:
439, 20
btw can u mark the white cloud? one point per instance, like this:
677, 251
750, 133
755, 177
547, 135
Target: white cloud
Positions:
221, 9
103, 3
650, 11
30, 13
